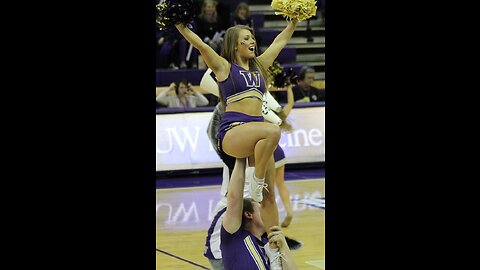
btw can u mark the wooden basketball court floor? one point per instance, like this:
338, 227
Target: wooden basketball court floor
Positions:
183, 216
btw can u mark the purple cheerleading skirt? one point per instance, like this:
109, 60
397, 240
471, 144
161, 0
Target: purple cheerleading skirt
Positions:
233, 119
279, 157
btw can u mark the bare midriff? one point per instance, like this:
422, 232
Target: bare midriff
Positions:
250, 106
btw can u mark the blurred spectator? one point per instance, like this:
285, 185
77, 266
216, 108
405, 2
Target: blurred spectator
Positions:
210, 27
187, 54
167, 49
321, 8
223, 11
181, 95
242, 15
304, 91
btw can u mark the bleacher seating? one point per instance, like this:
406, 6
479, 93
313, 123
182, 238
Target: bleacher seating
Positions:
258, 19
167, 76
297, 53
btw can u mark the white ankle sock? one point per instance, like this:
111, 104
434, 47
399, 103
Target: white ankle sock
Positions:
258, 179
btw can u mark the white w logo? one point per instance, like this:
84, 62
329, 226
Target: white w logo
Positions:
252, 80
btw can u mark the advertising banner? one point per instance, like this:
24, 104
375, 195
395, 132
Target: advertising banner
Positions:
182, 142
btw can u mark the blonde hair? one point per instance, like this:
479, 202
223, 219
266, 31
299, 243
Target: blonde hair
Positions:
202, 12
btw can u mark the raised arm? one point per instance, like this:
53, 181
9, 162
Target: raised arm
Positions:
277, 238
218, 64
290, 101
200, 99
278, 44
163, 97
233, 216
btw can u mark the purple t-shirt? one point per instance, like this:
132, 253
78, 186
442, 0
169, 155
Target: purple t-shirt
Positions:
242, 250
241, 84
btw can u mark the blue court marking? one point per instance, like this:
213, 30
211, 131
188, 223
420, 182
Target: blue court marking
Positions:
314, 202
182, 259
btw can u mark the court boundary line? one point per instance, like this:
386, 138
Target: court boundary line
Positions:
205, 187
310, 262
316, 206
308, 204
182, 259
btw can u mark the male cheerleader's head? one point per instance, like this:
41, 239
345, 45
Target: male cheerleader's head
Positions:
251, 215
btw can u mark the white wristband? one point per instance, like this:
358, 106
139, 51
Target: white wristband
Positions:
271, 102
269, 115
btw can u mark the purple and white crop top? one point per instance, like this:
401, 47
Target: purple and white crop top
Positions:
241, 84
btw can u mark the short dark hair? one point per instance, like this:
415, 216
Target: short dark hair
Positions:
247, 207
304, 70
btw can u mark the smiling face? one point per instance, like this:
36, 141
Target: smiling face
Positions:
246, 44
242, 13
210, 9
242, 10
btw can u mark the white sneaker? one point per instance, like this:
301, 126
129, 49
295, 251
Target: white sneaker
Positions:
256, 187
172, 66
274, 257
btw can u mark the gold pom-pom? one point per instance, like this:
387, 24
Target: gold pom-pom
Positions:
295, 9
275, 68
